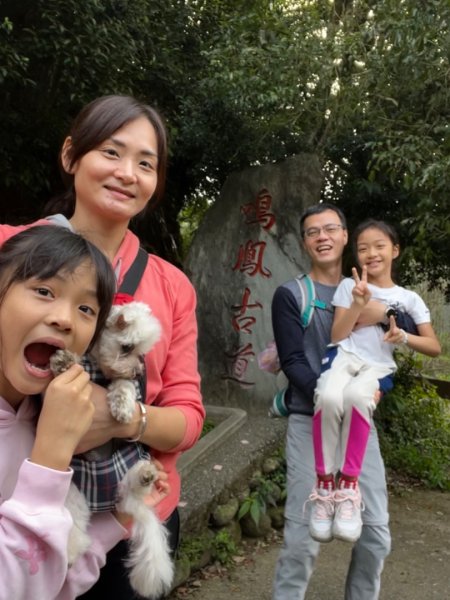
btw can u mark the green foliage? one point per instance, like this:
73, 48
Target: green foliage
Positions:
267, 491
254, 505
208, 426
362, 83
193, 548
224, 547
414, 424
190, 218
434, 296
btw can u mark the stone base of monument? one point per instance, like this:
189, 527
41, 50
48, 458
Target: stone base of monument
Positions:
226, 462
226, 421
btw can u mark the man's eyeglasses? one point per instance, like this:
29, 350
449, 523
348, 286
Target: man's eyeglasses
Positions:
314, 232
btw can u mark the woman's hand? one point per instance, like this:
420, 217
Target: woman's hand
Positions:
104, 427
65, 417
161, 489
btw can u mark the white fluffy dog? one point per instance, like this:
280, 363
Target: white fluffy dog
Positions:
130, 331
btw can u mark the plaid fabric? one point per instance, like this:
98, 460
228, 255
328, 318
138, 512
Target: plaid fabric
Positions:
98, 479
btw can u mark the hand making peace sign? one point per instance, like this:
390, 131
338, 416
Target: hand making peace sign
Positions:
361, 293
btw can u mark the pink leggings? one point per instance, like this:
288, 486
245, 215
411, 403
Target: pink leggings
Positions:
343, 408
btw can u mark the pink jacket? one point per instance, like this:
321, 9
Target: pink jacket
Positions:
172, 374
34, 524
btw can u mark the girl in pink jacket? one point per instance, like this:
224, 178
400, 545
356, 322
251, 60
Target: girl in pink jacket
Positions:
55, 292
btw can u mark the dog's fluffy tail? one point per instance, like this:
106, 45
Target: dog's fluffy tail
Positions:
149, 560
151, 568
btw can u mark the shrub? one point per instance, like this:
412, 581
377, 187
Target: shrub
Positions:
414, 425
224, 547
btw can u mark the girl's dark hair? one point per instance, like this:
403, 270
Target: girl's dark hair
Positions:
97, 122
317, 209
374, 224
45, 250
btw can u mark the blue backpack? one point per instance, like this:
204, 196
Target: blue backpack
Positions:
268, 359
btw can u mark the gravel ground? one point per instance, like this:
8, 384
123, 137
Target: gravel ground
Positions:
417, 569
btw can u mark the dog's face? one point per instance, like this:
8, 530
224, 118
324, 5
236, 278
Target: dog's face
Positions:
131, 331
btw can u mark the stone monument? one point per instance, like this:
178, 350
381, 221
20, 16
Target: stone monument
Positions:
248, 244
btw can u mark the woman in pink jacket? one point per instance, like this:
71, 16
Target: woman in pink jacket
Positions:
114, 161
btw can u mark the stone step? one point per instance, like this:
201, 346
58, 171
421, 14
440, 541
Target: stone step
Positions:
225, 465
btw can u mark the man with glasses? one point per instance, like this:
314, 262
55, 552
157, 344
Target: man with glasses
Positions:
324, 236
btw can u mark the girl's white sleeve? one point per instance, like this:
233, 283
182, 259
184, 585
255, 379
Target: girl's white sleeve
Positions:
343, 294
34, 529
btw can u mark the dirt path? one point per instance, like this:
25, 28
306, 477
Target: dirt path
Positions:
417, 569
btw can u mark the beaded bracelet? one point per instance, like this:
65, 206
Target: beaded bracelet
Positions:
142, 423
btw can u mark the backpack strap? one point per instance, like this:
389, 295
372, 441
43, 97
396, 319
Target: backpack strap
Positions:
308, 300
129, 285
134, 273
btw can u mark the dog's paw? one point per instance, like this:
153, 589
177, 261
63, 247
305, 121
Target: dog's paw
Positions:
138, 481
122, 400
62, 360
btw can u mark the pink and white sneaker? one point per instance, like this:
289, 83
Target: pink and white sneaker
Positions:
347, 524
322, 512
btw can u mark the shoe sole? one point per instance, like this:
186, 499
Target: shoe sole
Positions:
322, 540
347, 538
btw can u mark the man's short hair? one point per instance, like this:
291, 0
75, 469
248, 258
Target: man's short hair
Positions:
316, 209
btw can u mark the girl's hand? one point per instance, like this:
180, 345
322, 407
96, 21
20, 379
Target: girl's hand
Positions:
360, 292
394, 335
65, 417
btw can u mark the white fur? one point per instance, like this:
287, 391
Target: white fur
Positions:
79, 540
131, 331
151, 569
127, 326
121, 397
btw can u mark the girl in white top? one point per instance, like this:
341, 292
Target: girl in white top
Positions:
346, 392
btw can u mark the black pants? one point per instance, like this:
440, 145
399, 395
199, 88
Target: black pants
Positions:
113, 583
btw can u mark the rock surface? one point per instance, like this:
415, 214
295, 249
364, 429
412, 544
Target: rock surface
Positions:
247, 244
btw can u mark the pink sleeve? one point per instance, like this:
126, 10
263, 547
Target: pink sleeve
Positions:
180, 377
34, 528
105, 533
7, 231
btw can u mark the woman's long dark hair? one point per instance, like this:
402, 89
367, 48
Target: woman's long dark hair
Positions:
43, 251
97, 122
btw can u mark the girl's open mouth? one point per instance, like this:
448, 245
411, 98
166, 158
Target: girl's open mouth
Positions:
37, 356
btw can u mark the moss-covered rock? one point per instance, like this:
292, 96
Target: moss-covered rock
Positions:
225, 513
255, 530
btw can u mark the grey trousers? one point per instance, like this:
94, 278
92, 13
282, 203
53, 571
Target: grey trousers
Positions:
297, 557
